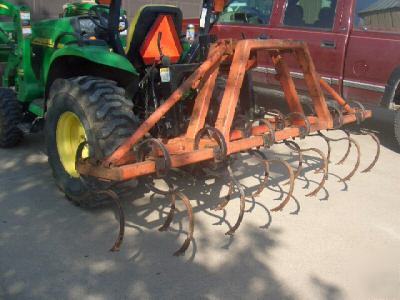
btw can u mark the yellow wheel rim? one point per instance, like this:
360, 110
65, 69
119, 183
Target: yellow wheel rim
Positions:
70, 134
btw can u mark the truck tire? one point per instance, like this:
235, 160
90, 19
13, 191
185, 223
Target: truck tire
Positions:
397, 126
10, 117
88, 109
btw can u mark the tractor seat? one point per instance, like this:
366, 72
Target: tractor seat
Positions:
142, 27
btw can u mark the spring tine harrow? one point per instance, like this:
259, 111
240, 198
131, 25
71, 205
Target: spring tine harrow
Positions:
214, 146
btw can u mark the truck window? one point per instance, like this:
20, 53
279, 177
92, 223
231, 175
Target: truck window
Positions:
256, 12
306, 13
377, 15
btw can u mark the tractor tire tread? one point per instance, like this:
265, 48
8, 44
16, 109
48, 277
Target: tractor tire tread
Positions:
10, 117
397, 126
110, 122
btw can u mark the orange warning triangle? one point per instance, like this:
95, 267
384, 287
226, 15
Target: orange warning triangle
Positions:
170, 44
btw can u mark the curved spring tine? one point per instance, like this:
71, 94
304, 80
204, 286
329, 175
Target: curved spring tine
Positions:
291, 181
378, 151
171, 194
171, 214
189, 238
324, 168
328, 143
356, 144
351, 174
295, 147
225, 202
346, 155
242, 201
264, 182
260, 158
347, 138
121, 233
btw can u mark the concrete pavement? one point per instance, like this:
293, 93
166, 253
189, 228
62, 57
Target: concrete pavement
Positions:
343, 244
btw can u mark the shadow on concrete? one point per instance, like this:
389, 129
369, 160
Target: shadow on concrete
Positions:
325, 290
52, 249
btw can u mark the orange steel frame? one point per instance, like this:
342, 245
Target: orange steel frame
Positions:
121, 165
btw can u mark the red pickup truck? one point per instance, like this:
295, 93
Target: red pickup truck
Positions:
355, 44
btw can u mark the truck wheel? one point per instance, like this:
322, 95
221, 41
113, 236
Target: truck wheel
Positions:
10, 117
88, 109
397, 126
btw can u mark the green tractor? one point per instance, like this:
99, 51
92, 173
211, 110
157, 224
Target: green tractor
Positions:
85, 77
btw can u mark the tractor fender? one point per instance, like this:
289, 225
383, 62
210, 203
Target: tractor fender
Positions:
73, 61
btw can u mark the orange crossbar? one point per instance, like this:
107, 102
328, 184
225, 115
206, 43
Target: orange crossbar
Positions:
240, 143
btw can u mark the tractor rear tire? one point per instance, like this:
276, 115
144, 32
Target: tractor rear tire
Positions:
10, 117
82, 109
397, 126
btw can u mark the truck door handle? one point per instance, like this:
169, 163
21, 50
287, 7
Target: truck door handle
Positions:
328, 44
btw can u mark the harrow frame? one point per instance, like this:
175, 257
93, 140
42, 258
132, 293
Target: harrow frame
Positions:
123, 164
146, 157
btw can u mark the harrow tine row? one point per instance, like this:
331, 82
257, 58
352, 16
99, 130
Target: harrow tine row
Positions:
173, 194
358, 148
295, 147
224, 170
